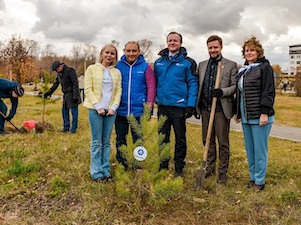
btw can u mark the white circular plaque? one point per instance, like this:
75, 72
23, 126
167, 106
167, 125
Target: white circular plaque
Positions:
140, 153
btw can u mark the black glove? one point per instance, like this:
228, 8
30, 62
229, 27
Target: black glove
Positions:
217, 93
8, 118
46, 95
189, 112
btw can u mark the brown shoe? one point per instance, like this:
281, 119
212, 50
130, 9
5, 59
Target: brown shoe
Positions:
4, 132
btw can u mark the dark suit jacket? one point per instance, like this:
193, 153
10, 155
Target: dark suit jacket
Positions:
227, 84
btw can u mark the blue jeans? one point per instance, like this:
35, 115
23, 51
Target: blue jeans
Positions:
101, 129
256, 144
66, 118
3, 109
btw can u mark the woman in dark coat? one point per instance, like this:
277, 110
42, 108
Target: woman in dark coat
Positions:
255, 100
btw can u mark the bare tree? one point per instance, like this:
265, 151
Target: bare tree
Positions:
145, 50
77, 55
89, 55
115, 43
19, 55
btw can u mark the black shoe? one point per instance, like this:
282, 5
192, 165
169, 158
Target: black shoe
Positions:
179, 173
101, 179
259, 187
251, 184
62, 130
163, 168
222, 179
109, 178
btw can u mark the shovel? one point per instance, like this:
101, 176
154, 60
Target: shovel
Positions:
21, 131
201, 172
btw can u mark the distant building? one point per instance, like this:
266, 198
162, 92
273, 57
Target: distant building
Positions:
294, 59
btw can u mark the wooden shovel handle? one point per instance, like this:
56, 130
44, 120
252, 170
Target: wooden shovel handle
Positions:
212, 113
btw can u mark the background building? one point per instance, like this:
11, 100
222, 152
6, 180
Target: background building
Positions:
294, 59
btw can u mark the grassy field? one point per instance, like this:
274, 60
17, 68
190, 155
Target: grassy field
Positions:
44, 179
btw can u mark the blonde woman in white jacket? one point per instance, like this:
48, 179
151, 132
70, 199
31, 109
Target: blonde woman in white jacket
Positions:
103, 92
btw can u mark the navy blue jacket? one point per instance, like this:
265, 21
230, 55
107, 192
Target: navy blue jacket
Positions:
6, 88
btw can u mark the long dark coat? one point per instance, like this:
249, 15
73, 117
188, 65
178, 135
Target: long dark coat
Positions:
69, 83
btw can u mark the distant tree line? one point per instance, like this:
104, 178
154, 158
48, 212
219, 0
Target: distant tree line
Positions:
24, 60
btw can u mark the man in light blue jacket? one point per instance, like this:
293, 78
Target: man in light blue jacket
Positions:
177, 88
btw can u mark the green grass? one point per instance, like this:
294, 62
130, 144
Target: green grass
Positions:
44, 179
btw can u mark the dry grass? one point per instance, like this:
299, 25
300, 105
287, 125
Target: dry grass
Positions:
45, 180
288, 110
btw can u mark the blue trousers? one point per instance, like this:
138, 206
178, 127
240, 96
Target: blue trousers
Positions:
256, 144
100, 150
66, 118
3, 109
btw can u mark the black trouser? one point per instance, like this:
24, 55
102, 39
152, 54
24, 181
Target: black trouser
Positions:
220, 129
122, 129
176, 119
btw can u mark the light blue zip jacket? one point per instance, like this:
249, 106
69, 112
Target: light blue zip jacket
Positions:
176, 83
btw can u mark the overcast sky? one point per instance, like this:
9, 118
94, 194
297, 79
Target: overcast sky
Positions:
64, 23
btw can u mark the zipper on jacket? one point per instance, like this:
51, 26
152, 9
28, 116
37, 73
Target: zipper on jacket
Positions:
129, 90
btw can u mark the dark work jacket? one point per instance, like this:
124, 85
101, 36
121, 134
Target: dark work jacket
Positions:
259, 91
69, 83
6, 88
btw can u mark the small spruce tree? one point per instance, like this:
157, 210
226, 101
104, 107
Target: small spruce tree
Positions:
146, 185
41, 126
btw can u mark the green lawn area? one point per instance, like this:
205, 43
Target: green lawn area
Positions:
44, 179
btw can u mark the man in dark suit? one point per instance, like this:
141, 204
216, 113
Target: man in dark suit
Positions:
66, 76
207, 71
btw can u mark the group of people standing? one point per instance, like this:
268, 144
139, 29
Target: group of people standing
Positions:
181, 88
115, 89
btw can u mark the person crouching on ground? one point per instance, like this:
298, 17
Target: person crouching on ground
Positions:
11, 90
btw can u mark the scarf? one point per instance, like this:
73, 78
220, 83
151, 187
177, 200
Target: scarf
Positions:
246, 68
